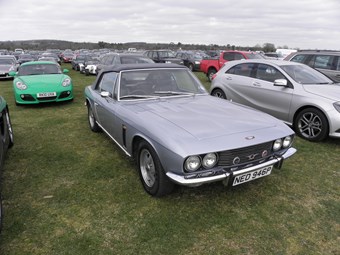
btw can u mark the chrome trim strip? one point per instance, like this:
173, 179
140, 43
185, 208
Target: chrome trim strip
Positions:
128, 154
181, 180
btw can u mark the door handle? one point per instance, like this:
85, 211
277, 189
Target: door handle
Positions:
256, 84
228, 78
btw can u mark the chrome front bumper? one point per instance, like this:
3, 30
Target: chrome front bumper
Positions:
181, 180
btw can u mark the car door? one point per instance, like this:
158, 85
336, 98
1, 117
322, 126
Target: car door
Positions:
253, 85
274, 100
105, 106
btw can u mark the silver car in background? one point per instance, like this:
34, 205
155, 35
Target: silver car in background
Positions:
292, 92
8, 63
161, 115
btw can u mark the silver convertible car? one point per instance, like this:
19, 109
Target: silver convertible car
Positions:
294, 93
161, 115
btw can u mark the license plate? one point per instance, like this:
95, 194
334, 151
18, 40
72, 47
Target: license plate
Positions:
47, 94
247, 177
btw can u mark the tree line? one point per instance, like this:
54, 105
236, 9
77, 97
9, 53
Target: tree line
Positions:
62, 45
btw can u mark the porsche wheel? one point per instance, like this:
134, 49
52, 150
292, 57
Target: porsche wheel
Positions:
219, 93
151, 172
92, 119
311, 124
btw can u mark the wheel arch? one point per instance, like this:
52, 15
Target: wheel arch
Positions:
305, 107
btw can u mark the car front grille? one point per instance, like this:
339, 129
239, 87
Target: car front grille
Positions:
245, 155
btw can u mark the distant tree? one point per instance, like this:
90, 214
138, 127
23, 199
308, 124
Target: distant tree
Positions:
269, 47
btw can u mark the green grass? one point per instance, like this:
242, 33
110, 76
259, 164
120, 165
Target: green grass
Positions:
68, 190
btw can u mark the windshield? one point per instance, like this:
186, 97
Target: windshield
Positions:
166, 54
6, 61
153, 83
254, 55
306, 75
39, 69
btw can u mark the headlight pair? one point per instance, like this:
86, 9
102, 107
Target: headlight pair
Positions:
20, 85
282, 143
66, 82
193, 163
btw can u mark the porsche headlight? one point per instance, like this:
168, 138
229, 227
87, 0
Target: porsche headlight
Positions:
287, 141
337, 106
192, 163
20, 85
209, 160
277, 145
66, 82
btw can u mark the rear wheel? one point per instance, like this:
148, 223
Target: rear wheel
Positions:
92, 119
151, 172
219, 93
311, 124
211, 73
191, 67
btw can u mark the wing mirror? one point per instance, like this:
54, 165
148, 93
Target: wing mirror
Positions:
105, 94
281, 83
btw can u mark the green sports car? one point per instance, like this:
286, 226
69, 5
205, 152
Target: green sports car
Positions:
41, 81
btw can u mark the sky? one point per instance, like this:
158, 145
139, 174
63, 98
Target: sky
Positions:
302, 24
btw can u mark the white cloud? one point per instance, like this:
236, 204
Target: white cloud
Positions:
303, 24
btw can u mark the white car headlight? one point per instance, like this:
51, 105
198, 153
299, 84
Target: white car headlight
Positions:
66, 82
192, 163
209, 160
20, 85
277, 145
337, 106
287, 141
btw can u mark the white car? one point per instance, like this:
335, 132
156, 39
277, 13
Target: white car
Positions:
292, 92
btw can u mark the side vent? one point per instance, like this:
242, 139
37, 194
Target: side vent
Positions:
124, 135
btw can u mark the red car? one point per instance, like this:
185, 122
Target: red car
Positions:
211, 66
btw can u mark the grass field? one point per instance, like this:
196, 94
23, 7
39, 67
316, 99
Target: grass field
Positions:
67, 190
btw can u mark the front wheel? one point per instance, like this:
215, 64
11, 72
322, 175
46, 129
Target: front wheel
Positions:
219, 93
311, 124
151, 172
92, 119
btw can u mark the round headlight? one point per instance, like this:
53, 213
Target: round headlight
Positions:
277, 145
192, 163
287, 142
66, 82
20, 85
209, 160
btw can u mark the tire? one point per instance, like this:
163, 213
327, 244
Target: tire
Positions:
151, 172
211, 73
92, 120
311, 124
191, 67
1, 213
219, 93
9, 130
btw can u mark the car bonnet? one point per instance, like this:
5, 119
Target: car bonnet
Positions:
331, 91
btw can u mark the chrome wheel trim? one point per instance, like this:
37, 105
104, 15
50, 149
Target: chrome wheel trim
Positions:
9, 126
219, 94
91, 118
310, 125
147, 168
